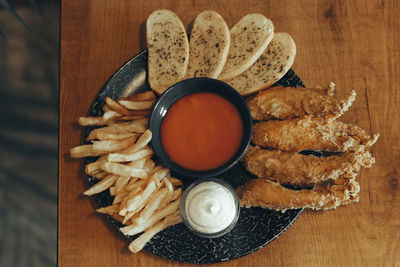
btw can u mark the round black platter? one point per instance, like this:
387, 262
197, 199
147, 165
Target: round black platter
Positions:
255, 228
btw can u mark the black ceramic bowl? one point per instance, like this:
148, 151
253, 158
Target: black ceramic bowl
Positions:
184, 88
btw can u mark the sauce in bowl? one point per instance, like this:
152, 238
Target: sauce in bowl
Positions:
209, 207
201, 131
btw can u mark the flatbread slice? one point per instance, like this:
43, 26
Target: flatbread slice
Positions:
168, 50
209, 45
269, 68
249, 39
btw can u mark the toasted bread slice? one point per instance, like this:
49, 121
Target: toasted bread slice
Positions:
168, 50
209, 45
269, 68
249, 39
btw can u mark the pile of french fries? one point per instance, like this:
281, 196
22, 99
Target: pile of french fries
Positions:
146, 197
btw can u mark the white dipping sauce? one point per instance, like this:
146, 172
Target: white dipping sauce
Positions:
210, 207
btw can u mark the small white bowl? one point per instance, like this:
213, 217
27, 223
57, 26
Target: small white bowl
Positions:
190, 222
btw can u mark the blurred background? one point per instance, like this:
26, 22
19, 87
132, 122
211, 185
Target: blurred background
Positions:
29, 69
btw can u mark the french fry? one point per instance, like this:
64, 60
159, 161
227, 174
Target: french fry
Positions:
137, 105
117, 217
131, 187
111, 114
99, 148
141, 143
122, 170
155, 169
118, 198
122, 206
84, 151
132, 118
114, 105
113, 145
108, 117
95, 172
175, 182
134, 229
168, 196
108, 210
119, 157
124, 111
168, 185
105, 130
129, 215
115, 136
177, 194
137, 126
101, 186
95, 167
121, 182
148, 95
151, 206
112, 190
141, 241
160, 175
99, 174
139, 163
136, 191
149, 166
138, 201
91, 121
133, 115
106, 108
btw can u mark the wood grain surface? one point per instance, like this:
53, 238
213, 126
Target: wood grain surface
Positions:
354, 43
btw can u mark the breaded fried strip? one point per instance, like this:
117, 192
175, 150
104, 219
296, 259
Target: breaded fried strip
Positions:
310, 134
271, 195
289, 103
302, 170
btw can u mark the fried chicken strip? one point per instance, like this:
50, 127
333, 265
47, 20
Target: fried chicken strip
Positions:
289, 103
310, 133
302, 170
271, 195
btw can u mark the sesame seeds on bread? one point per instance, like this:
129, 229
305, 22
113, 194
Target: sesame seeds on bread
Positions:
269, 68
249, 39
168, 50
209, 45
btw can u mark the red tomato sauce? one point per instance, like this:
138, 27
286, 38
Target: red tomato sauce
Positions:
201, 131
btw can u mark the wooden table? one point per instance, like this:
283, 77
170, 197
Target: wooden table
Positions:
354, 43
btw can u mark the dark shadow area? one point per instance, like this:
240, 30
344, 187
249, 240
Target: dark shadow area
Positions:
29, 75
190, 27
142, 36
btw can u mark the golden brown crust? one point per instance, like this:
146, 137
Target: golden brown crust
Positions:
271, 195
310, 134
289, 103
302, 170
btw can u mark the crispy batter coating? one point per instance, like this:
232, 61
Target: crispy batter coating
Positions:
303, 170
310, 133
289, 103
271, 195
